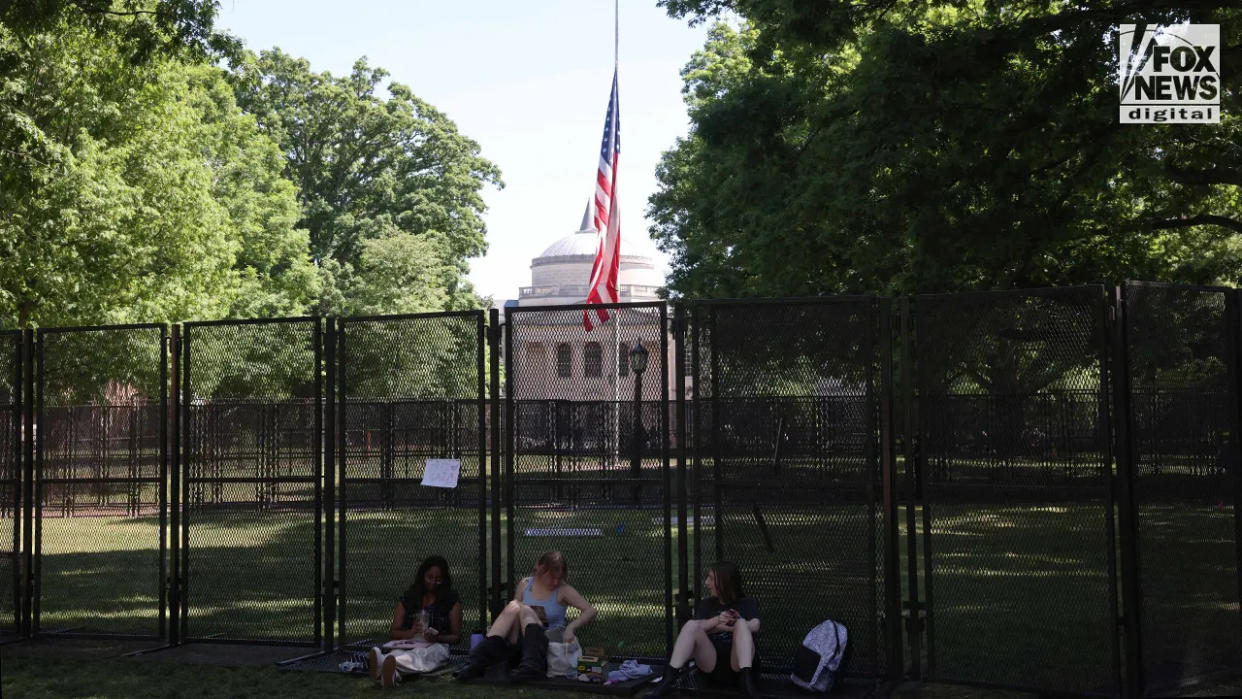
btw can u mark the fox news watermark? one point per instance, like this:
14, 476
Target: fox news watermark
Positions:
1169, 74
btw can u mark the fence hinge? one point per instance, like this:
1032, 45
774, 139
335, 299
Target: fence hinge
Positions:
1112, 315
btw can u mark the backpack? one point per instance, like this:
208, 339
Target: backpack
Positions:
817, 662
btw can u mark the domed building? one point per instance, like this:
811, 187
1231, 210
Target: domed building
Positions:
556, 358
562, 273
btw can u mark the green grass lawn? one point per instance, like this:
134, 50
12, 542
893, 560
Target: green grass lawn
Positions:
1020, 591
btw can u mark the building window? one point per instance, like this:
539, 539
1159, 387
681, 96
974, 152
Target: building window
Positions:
564, 359
592, 359
623, 359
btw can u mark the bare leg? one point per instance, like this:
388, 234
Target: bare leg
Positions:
505, 625
743, 647
528, 617
693, 642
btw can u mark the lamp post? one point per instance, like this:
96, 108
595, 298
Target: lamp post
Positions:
638, 364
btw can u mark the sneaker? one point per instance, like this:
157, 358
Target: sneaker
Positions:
374, 659
389, 677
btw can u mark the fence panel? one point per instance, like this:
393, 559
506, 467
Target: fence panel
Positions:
252, 398
1183, 364
1014, 464
583, 474
10, 482
786, 473
411, 389
100, 464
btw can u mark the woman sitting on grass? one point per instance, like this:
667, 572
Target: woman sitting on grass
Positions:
720, 637
540, 599
429, 611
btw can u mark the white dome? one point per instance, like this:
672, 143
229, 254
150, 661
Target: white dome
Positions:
580, 243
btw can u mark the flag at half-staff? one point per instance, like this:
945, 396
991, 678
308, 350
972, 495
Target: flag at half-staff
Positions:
604, 271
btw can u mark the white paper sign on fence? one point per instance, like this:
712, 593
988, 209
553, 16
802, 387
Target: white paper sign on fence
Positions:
441, 473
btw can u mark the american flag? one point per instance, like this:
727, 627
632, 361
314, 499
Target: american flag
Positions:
607, 217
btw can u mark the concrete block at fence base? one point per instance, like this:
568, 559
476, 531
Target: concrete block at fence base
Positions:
564, 531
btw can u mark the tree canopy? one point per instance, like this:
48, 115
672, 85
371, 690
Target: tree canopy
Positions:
140, 181
390, 191
894, 147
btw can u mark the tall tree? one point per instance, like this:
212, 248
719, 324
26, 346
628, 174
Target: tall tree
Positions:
126, 188
927, 146
390, 190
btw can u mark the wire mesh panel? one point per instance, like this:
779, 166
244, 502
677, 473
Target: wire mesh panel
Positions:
786, 473
1182, 369
251, 505
10, 481
1014, 468
100, 539
411, 391
588, 468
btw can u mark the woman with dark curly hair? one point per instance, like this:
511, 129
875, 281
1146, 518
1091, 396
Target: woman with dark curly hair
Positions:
429, 611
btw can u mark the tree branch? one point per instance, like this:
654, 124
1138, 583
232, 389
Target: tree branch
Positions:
1199, 220
1214, 175
86, 6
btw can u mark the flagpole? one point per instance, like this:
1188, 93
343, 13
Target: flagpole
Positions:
616, 322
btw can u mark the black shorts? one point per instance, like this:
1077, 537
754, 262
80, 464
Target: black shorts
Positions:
723, 675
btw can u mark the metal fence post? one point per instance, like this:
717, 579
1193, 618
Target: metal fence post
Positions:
481, 347
494, 332
1233, 317
28, 491
683, 554
172, 416
1107, 319
914, 626
37, 504
888, 475
1131, 592
329, 488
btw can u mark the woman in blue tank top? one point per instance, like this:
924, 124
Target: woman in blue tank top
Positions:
540, 601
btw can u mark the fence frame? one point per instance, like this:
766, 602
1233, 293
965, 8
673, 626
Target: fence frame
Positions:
339, 403
916, 471
878, 450
509, 480
316, 479
37, 469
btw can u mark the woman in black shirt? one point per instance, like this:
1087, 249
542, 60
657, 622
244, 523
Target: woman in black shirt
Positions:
429, 611
720, 637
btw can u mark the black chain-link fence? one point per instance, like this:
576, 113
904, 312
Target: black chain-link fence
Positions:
411, 390
587, 472
251, 500
1183, 373
10, 482
1012, 520
1017, 559
100, 465
786, 468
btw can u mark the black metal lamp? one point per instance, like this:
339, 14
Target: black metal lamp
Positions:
638, 364
638, 359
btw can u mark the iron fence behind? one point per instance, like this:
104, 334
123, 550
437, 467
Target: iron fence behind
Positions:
1016, 516
100, 468
411, 389
251, 495
787, 478
587, 472
10, 482
1183, 372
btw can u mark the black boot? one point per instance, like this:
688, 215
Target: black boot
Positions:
667, 685
534, 665
750, 682
491, 650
